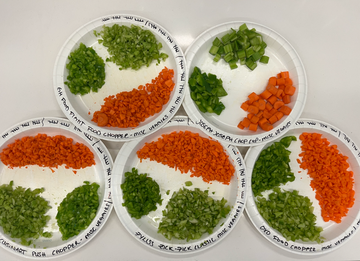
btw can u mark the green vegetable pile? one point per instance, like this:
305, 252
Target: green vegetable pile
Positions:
86, 70
245, 45
272, 167
291, 214
22, 213
130, 47
191, 213
205, 90
140, 193
78, 209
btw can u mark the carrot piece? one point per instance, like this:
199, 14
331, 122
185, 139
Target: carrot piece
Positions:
253, 97
273, 119
250, 115
265, 94
254, 119
273, 111
244, 106
289, 89
279, 115
330, 178
272, 99
253, 126
267, 126
245, 122
285, 74
278, 104
268, 106
281, 87
260, 114
288, 81
285, 109
261, 104
286, 99
272, 89
267, 114
272, 81
240, 126
262, 121
280, 81
253, 109
279, 93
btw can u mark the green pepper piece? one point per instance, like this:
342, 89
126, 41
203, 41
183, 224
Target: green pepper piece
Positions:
286, 141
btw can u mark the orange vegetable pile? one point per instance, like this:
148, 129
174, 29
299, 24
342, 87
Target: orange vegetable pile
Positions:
47, 151
189, 151
129, 109
331, 180
270, 106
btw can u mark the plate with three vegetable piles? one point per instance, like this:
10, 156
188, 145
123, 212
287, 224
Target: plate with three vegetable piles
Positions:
179, 191
303, 188
120, 77
246, 84
55, 188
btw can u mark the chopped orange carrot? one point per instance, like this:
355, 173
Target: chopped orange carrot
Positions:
47, 151
268, 106
279, 115
278, 104
253, 127
286, 99
330, 178
272, 89
265, 94
285, 109
129, 109
253, 109
272, 81
240, 126
253, 97
267, 114
189, 152
280, 81
289, 89
273, 119
254, 119
245, 122
279, 93
244, 106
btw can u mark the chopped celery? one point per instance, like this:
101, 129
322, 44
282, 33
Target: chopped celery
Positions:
191, 213
22, 213
291, 214
234, 46
131, 47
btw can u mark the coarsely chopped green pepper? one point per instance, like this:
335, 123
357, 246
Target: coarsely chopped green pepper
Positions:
244, 45
272, 167
140, 193
191, 213
22, 213
130, 47
78, 209
205, 90
291, 214
86, 71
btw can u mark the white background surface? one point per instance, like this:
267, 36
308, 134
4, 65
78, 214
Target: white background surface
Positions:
324, 33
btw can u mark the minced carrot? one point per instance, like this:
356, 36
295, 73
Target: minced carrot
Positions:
269, 106
188, 151
47, 151
331, 179
129, 109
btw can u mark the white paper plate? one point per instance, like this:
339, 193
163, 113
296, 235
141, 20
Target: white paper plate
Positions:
240, 82
145, 229
57, 185
335, 234
80, 109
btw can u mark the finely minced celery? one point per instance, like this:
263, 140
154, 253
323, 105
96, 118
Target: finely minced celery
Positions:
191, 213
22, 213
130, 47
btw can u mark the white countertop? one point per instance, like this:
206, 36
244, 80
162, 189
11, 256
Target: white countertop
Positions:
324, 33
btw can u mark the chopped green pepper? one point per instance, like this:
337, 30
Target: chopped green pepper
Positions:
272, 167
205, 90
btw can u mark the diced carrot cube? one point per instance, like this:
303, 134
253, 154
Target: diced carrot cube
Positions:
253, 127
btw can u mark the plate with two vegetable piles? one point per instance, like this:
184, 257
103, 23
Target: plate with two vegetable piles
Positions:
120, 77
178, 191
55, 185
303, 188
246, 85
